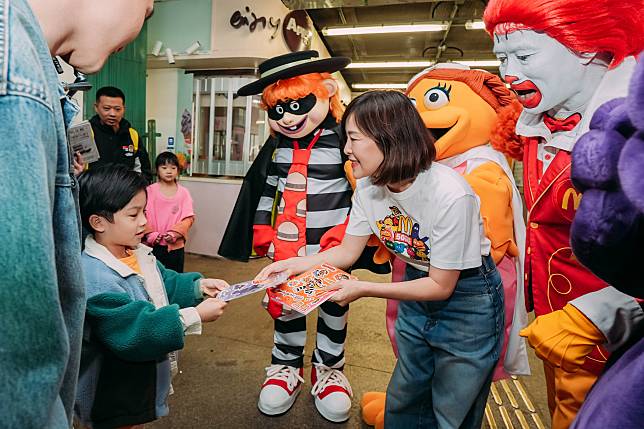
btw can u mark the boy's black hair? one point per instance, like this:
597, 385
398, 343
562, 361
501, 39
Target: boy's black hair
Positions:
110, 91
107, 189
167, 158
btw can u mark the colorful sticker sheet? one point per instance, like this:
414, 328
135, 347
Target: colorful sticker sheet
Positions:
305, 292
251, 286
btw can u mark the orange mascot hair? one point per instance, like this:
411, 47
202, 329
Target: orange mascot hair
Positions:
494, 92
301, 86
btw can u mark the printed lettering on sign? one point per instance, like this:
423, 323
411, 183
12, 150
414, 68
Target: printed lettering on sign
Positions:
251, 20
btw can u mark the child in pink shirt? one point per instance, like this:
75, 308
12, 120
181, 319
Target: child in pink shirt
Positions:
169, 213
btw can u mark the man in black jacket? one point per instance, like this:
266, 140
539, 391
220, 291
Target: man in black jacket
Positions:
115, 138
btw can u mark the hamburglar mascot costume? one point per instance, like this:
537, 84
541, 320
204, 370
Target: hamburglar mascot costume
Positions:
295, 201
564, 58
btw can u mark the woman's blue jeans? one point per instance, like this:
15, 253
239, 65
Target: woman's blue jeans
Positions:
447, 351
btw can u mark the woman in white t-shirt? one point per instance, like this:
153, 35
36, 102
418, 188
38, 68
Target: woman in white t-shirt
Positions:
450, 318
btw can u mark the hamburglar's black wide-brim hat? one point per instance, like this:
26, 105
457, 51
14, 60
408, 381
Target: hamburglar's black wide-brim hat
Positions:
291, 65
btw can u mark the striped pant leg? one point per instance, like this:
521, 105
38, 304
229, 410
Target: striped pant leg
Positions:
289, 340
331, 335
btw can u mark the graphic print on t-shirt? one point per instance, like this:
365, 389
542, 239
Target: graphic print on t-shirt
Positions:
401, 234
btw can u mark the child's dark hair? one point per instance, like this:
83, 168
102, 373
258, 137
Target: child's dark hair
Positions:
107, 189
167, 158
392, 121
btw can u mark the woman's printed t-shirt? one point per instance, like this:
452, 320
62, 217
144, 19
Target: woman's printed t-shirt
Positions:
437, 218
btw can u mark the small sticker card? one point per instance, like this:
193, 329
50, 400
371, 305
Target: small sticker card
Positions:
306, 292
251, 286
81, 139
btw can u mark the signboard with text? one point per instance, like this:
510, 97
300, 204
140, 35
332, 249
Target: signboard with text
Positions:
297, 29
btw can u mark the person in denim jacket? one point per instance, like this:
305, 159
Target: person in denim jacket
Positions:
42, 299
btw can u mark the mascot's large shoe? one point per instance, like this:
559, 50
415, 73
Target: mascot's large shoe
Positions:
331, 392
280, 389
470, 113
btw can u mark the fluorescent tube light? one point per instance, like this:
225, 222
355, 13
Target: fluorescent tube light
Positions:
480, 63
383, 29
419, 64
475, 25
379, 86
390, 64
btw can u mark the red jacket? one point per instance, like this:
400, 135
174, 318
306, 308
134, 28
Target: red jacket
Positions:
553, 276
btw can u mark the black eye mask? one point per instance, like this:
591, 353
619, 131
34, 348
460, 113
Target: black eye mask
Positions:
296, 107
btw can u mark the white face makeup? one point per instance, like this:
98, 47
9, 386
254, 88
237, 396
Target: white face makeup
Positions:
544, 73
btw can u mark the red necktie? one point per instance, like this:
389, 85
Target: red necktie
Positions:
566, 124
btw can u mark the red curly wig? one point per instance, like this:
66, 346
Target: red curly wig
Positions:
301, 86
614, 27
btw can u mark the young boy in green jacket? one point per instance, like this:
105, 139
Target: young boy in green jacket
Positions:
137, 313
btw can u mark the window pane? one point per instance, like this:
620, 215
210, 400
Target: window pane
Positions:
243, 135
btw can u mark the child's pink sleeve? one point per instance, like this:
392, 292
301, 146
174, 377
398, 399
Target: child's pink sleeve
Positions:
186, 204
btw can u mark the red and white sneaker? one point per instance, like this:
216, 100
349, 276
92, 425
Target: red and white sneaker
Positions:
280, 389
332, 393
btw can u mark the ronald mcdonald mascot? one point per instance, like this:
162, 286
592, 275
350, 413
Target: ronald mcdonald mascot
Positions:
295, 200
564, 58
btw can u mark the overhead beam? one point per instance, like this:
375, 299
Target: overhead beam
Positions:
327, 4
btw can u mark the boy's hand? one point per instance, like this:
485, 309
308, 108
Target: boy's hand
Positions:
212, 287
210, 309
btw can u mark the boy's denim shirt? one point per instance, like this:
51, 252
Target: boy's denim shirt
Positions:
42, 298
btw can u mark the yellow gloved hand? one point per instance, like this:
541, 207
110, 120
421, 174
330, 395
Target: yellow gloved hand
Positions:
564, 338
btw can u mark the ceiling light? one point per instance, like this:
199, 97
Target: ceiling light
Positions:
390, 64
156, 50
382, 29
475, 25
379, 86
419, 64
480, 63
193, 48
169, 55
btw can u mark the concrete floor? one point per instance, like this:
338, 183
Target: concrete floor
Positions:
222, 370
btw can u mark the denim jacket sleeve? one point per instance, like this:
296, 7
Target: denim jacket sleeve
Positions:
41, 290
